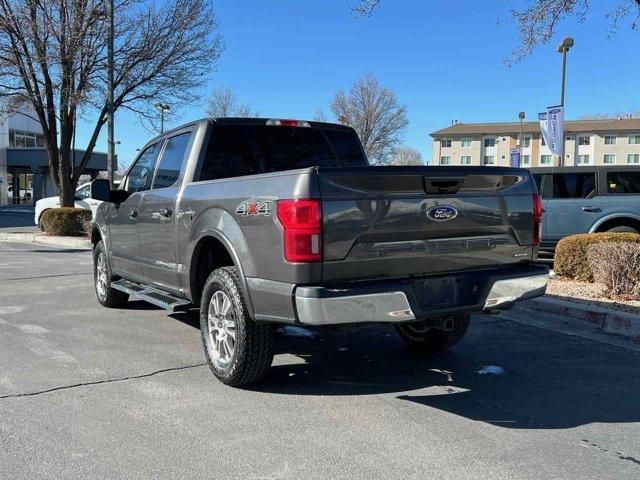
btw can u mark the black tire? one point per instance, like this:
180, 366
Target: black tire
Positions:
244, 357
417, 337
623, 229
107, 296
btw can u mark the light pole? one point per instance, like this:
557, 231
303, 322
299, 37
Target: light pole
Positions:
110, 133
163, 107
563, 48
521, 116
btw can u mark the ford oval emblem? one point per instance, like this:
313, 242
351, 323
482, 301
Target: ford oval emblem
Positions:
441, 213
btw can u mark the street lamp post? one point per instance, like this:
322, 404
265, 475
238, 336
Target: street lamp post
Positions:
521, 116
110, 107
163, 107
563, 48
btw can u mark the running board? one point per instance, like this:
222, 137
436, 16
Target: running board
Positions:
151, 295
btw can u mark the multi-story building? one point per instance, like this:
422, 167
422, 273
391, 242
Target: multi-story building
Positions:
24, 163
587, 142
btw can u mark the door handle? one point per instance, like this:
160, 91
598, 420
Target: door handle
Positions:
133, 214
166, 212
591, 209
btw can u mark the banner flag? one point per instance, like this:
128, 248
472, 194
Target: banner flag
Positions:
552, 128
514, 158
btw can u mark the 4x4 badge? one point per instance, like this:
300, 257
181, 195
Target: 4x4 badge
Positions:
254, 208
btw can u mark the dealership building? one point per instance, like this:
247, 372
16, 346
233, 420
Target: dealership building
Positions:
24, 164
586, 142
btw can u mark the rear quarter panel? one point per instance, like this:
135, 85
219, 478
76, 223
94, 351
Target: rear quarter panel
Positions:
254, 240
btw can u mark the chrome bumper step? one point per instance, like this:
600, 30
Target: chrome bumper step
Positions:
151, 295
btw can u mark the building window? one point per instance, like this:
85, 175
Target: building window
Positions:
466, 143
546, 160
489, 160
465, 160
583, 159
542, 141
610, 139
446, 142
445, 160
18, 138
526, 142
489, 142
633, 158
584, 140
526, 160
609, 158
634, 139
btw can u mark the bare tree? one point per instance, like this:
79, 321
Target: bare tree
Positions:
610, 116
53, 57
223, 103
537, 21
375, 114
365, 7
406, 156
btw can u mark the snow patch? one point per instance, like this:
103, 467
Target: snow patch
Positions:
491, 370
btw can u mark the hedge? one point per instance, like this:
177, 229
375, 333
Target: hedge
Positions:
570, 259
616, 265
65, 221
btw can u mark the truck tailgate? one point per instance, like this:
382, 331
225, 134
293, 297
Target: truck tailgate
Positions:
385, 222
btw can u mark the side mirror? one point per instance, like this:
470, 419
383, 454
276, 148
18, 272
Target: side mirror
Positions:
101, 190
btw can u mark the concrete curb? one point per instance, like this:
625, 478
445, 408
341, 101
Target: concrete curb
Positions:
82, 243
605, 319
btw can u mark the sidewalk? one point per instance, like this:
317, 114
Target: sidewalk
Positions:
607, 320
18, 236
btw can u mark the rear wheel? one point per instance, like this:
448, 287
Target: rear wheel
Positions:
418, 336
107, 296
238, 349
623, 229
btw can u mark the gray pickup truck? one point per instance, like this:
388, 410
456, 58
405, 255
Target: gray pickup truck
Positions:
265, 222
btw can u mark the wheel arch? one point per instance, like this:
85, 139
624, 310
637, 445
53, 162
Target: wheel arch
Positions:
213, 250
614, 220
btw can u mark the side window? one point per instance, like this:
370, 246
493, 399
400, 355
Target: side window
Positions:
542, 182
574, 185
623, 182
170, 164
139, 176
83, 192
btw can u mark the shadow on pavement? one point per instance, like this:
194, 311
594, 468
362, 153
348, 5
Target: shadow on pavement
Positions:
550, 382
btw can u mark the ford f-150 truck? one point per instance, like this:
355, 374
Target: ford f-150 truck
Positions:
265, 222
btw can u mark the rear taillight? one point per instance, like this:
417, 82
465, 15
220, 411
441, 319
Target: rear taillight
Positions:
537, 219
302, 224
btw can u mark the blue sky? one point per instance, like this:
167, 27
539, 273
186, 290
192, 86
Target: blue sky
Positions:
443, 59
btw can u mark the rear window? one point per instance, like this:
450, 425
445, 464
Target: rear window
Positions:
237, 150
623, 182
574, 185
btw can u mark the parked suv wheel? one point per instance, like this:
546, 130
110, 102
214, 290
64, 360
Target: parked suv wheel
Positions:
107, 296
239, 350
623, 228
418, 336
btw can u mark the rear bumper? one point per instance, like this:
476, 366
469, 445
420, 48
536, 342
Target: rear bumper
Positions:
419, 298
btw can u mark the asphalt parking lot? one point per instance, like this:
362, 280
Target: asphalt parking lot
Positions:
87, 392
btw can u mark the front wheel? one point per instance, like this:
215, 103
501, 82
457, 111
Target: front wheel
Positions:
238, 349
107, 296
418, 336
